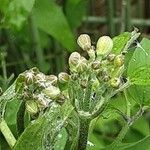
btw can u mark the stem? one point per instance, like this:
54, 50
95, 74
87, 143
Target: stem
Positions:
7, 133
83, 133
128, 105
119, 138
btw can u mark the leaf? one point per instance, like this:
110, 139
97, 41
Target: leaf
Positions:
139, 73
17, 12
138, 68
61, 140
36, 134
49, 17
143, 144
75, 17
120, 41
8, 95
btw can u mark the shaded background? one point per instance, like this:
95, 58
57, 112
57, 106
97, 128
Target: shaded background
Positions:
42, 33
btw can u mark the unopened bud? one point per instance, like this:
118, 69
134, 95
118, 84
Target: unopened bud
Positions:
52, 79
104, 45
82, 66
63, 77
74, 60
96, 64
111, 57
119, 61
115, 82
52, 92
31, 107
84, 41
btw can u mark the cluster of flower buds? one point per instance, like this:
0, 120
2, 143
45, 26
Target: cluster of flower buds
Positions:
39, 90
108, 67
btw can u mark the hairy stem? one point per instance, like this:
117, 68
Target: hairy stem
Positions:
83, 134
7, 133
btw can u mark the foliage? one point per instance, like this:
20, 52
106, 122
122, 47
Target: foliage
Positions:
80, 109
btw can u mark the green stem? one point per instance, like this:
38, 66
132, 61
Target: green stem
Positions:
128, 105
83, 134
7, 133
119, 138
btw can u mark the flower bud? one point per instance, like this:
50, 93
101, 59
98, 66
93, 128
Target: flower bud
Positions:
119, 60
84, 41
96, 64
115, 82
111, 57
82, 66
52, 92
104, 45
63, 77
31, 107
74, 60
52, 79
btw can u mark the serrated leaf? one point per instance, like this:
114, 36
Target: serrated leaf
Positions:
139, 73
49, 17
120, 41
138, 68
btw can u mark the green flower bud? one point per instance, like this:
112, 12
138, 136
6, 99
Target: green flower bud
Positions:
96, 64
52, 92
111, 57
74, 60
84, 41
119, 61
104, 45
82, 66
52, 79
31, 107
63, 77
115, 82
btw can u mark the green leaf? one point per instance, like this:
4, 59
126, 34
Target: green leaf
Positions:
120, 41
48, 126
75, 17
49, 17
8, 95
138, 68
17, 12
139, 73
143, 144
